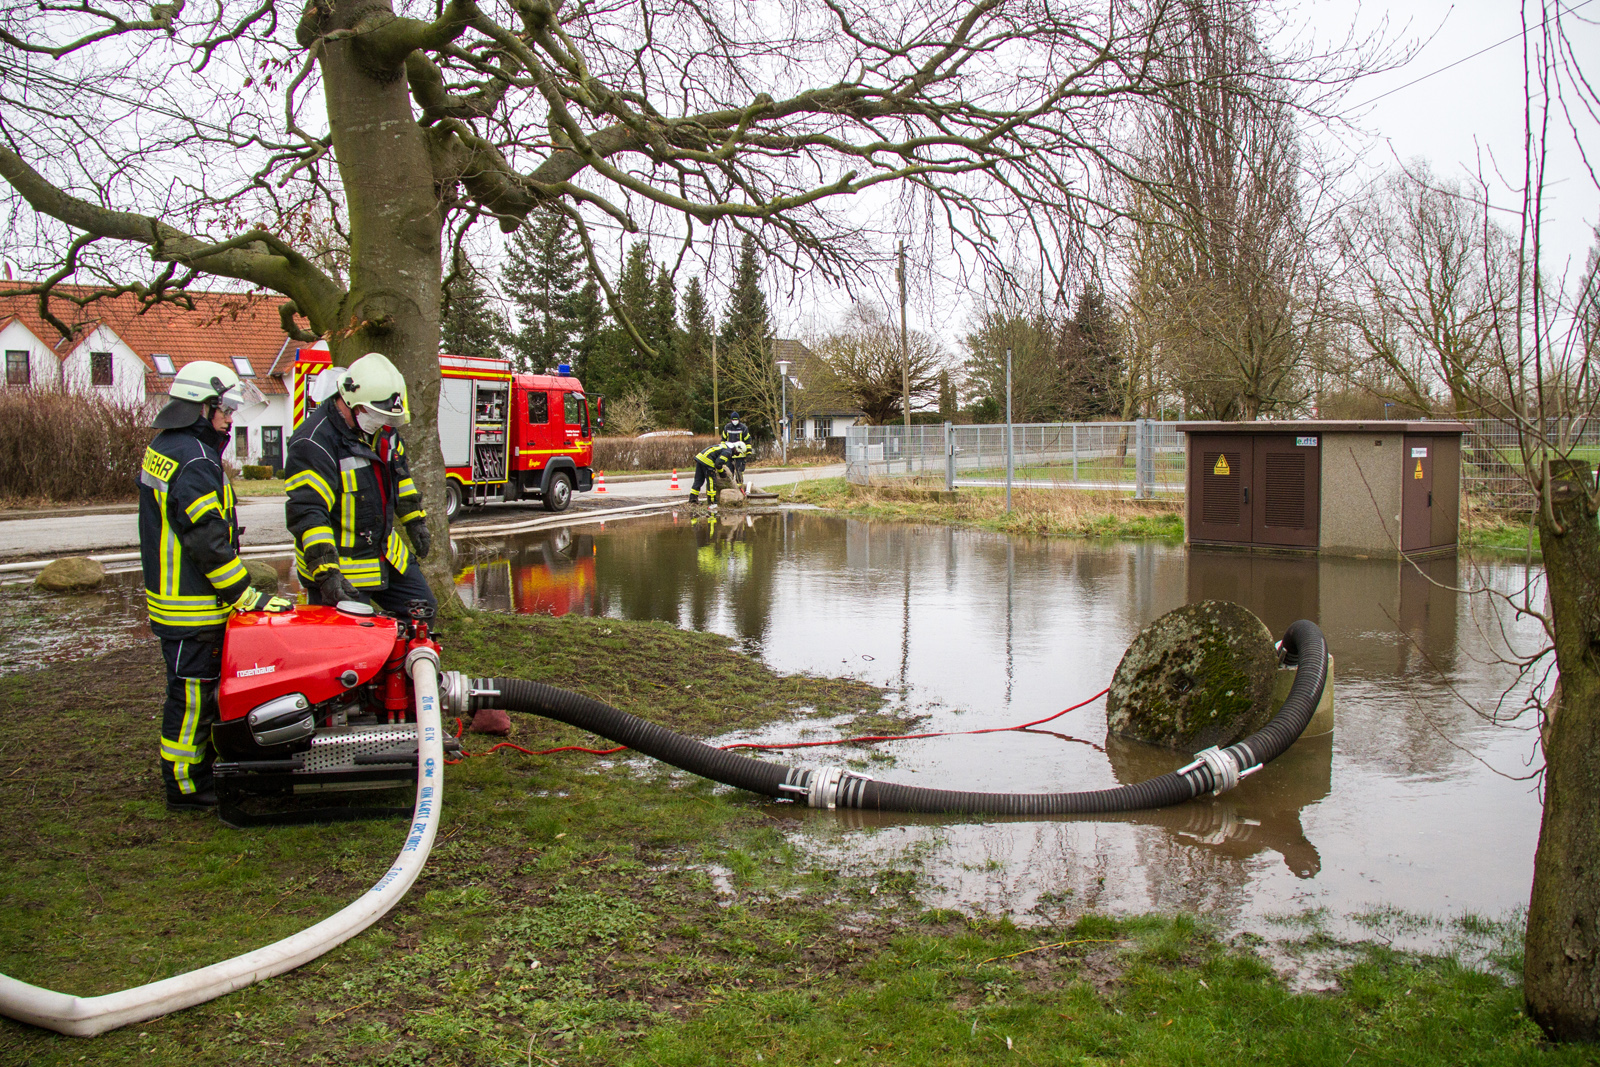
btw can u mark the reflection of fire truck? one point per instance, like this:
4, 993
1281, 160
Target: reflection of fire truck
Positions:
554, 575
504, 436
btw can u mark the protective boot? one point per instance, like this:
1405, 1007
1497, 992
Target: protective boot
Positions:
204, 797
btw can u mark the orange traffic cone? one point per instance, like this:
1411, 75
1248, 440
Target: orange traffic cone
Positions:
600, 481
675, 486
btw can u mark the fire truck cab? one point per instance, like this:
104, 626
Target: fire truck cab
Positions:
508, 436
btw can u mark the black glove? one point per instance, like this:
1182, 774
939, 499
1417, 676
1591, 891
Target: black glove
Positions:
336, 587
421, 539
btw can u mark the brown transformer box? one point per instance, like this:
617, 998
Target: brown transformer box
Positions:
1345, 488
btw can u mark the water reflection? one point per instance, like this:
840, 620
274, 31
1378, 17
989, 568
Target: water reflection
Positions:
973, 630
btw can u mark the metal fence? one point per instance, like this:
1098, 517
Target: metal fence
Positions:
1142, 458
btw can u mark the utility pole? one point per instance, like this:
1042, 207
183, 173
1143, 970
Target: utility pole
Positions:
1008, 432
905, 354
716, 414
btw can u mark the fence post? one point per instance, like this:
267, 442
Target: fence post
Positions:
1141, 445
1074, 453
949, 458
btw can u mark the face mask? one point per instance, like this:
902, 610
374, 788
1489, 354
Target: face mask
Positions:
369, 422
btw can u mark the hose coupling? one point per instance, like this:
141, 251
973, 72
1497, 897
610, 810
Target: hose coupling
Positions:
460, 695
421, 652
1224, 770
824, 791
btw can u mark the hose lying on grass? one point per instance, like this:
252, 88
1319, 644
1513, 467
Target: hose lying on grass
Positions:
1213, 770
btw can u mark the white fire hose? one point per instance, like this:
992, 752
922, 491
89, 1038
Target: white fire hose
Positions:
88, 1016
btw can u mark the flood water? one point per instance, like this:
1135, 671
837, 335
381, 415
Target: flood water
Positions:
1416, 801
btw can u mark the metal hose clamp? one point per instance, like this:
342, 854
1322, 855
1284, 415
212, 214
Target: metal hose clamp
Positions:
1224, 771
824, 791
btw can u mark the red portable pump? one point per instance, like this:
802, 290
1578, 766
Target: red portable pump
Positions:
316, 700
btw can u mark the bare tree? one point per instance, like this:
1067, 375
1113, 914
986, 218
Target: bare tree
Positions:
1222, 256
750, 385
1425, 273
859, 367
198, 137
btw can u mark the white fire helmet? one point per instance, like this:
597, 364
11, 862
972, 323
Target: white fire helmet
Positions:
374, 383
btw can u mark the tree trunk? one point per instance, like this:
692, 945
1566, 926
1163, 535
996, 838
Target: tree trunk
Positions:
395, 230
1561, 954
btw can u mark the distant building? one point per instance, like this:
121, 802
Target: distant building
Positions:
129, 355
812, 421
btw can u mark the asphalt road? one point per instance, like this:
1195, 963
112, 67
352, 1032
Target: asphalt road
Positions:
80, 531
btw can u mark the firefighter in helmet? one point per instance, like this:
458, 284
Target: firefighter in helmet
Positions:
350, 489
717, 458
193, 577
737, 433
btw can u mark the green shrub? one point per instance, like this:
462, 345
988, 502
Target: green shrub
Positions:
256, 472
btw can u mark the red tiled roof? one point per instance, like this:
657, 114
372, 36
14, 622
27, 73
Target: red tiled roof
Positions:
221, 326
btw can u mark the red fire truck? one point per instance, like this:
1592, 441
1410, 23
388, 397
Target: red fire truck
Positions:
505, 436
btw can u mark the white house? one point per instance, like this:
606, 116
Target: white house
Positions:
128, 354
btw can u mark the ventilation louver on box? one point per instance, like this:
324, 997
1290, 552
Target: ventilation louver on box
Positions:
1285, 497
1219, 489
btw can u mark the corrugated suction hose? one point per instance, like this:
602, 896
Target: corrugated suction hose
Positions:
1213, 770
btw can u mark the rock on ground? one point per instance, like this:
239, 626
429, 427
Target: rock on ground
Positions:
1198, 676
70, 574
730, 498
492, 721
262, 575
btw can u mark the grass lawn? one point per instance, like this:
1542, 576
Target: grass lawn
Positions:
1057, 512
264, 487
578, 912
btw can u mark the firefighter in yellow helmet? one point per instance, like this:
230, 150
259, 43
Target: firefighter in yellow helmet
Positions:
193, 577
350, 490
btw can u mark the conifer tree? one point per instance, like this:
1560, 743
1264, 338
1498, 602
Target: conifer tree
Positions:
543, 277
746, 320
470, 322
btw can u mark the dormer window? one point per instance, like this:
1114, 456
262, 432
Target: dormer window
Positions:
242, 365
163, 363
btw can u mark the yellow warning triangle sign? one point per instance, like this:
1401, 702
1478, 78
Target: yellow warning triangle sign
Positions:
1222, 469
1418, 475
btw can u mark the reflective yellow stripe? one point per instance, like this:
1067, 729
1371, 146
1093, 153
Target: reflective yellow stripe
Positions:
347, 510
230, 572
174, 751
194, 611
407, 487
399, 556
209, 502
362, 573
412, 516
317, 535
313, 480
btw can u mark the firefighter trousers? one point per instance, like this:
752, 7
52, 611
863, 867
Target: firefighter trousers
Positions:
704, 474
194, 666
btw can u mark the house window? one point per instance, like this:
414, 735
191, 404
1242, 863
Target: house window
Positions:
16, 368
243, 366
99, 368
241, 444
163, 363
824, 429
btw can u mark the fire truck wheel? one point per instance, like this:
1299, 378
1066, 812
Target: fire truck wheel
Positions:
559, 495
452, 501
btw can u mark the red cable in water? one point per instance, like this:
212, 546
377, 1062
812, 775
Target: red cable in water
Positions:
866, 739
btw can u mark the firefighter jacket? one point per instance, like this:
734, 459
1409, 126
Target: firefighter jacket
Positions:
735, 432
717, 457
348, 493
188, 533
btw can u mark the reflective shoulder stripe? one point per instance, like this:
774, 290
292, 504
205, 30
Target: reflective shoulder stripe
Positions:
354, 463
203, 504
152, 481
314, 481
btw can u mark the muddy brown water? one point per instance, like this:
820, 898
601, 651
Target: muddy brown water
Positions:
1415, 804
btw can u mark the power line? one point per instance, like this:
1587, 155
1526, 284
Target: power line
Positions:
1463, 59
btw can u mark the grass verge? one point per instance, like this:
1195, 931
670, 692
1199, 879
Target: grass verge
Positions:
1061, 513
578, 913
258, 487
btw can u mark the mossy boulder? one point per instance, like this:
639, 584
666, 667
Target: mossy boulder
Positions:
263, 575
730, 498
70, 574
1199, 676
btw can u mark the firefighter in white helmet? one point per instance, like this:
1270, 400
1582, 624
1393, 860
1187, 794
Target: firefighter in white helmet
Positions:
193, 577
350, 490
